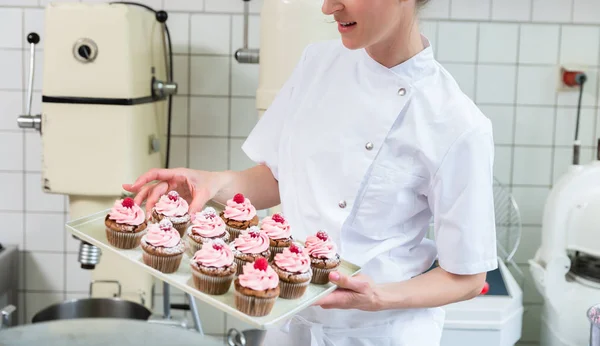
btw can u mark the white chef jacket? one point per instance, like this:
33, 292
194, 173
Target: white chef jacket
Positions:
371, 155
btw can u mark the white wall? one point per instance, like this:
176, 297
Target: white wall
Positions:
504, 53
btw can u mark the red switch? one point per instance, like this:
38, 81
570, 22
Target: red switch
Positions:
486, 288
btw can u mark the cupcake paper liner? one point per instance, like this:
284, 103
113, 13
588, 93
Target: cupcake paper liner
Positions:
253, 306
321, 275
165, 264
275, 250
240, 264
233, 233
215, 285
124, 240
181, 228
289, 290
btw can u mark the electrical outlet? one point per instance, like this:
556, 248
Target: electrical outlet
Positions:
562, 87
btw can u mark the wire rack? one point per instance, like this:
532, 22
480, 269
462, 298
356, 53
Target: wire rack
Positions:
508, 224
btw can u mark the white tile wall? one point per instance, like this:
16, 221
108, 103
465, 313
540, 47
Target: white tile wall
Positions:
586, 11
470, 9
579, 45
498, 43
539, 44
504, 54
511, 10
535, 125
557, 11
449, 49
496, 84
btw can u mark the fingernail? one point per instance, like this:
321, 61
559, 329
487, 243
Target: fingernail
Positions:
334, 276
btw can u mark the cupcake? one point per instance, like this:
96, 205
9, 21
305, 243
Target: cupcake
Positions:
174, 208
163, 247
249, 246
293, 268
256, 290
279, 232
206, 226
213, 268
323, 257
239, 215
125, 224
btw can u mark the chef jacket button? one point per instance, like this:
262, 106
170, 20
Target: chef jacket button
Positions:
369, 146
401, 91
342, 204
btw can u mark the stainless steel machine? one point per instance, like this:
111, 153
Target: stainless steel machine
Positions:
106, 105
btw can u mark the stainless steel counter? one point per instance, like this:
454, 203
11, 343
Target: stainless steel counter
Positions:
102, 332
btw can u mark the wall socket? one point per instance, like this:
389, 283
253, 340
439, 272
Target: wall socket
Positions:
562, 87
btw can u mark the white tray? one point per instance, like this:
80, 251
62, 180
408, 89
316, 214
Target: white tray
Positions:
91, 229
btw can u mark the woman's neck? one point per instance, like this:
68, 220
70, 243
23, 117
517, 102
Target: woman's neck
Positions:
396, 49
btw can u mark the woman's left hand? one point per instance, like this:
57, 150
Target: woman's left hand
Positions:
357, 292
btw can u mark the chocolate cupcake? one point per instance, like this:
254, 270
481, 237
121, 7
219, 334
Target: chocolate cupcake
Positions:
174, 208
293, 268
239, 215
163, 248
323, 257
279, 232
213, 268
256, 289
206, 226
125, 224
249, 246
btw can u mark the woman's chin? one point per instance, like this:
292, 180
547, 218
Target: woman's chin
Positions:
351, 43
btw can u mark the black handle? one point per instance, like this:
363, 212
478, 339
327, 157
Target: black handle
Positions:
181, 307
33, 38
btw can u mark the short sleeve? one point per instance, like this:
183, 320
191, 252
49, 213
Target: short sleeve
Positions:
461, 198
262, 145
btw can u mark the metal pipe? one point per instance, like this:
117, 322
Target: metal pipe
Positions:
195, 316
246, 55
246, 19
31, 73
166, 300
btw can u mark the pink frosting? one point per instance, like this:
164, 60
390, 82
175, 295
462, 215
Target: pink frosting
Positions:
133, 216
320, 249
276, 230
214, 254
239, 211
293, 262
168, 207
162, 234
257, 279
252, 241
208, 224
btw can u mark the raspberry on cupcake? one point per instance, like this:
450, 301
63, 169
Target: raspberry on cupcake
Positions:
174, 208
279, 232
213, 268
293, 268
206, 226
163, 248
239, 215
249, 246
323, 256
256, 289
125, 224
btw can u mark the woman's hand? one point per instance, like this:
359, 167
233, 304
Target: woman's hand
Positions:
357, 292
196, 187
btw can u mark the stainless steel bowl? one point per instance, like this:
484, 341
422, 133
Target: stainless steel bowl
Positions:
93, 308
